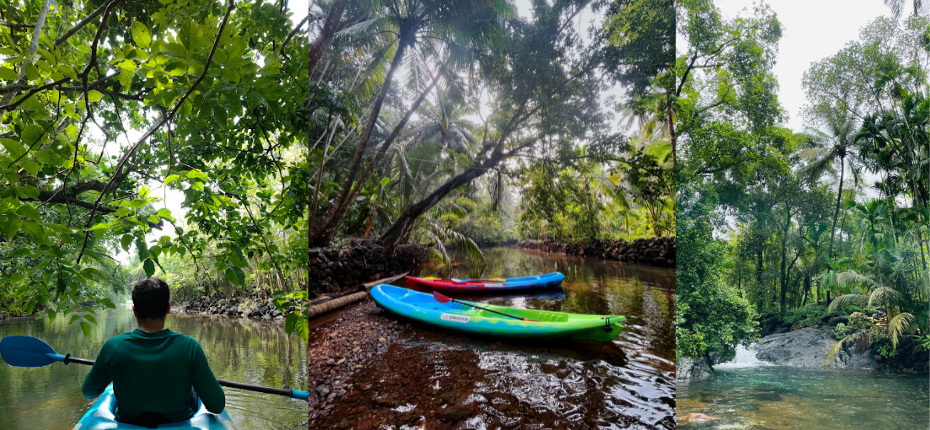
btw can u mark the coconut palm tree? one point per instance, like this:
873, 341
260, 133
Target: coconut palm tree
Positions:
838, 142
921, 7
419, 32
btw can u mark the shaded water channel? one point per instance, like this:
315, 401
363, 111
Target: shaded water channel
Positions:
628, 383
237, 349
776, 397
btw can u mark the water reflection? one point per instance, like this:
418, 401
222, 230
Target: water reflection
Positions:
628, 383
237, 349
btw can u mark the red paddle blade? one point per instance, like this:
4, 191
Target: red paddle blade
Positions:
527, 319
441, 298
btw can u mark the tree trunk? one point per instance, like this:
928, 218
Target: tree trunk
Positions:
836, 212
326, 35
784, 260
392, 237
317, 231
347, 203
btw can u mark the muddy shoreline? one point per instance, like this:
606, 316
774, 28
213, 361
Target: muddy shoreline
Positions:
369, 370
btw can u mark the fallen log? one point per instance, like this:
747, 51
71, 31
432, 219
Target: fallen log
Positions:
348, 298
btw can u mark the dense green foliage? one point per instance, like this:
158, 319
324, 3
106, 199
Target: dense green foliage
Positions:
458, 122
108, 108
812, 224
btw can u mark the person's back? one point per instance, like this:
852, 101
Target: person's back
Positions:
152, 368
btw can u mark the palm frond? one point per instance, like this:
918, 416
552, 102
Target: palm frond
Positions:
845, 299
899, 325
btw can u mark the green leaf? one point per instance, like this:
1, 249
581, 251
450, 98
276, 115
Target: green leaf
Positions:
85, 327
10, 228
31, 134
29, 212
73, 319
302, 327
125, 241
90, 318
94, 96
52, 315
240, 275
107, 302
32, 72
142, 248
34, 230
171, 178
290, 322
17, 277
197, 174
140, 33
164, 213
149, 266
13, 147
8, 74
231, 276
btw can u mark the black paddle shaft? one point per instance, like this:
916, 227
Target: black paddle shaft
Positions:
230, 384
486, 309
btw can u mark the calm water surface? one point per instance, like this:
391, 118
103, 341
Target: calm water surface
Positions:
238, 350
629, 383
775, 397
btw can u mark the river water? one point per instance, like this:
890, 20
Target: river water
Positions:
743, 395
237, 349
629, 383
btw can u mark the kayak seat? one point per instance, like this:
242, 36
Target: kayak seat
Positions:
553, 318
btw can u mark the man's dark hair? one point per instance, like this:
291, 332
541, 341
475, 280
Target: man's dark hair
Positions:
150, 298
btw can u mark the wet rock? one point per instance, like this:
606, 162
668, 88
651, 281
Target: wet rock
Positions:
693, 368
808, 347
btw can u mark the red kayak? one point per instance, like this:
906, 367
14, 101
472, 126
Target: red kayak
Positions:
488, 286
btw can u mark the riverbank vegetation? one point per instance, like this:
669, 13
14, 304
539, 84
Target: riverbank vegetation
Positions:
797, 227
166, 135
463, 123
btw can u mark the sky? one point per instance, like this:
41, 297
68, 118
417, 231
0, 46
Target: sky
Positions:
812, 30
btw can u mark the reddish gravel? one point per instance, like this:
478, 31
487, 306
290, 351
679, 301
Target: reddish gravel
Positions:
369, 371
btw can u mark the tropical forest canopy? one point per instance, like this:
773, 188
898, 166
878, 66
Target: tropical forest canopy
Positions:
109, 107
787, 227
460, 122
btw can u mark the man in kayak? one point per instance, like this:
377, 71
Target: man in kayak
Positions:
157, 374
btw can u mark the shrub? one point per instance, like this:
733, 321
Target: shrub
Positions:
840, 331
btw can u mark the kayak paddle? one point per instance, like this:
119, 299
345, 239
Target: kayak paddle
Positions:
443, 299
28, 351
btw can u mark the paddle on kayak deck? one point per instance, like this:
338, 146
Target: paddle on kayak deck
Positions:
443, 299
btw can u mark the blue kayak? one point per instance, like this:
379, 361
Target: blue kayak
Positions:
486, 286
103, 416
533, 324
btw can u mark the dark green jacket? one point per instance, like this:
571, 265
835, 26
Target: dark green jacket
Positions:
152, 375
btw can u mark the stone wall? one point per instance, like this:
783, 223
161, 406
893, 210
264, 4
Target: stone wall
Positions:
335, 269
657, 251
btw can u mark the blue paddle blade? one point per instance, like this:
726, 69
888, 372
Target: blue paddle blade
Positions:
300, 395
27, 351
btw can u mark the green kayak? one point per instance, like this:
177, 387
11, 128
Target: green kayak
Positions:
460, 317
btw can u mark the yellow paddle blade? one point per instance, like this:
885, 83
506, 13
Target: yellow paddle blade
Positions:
431, 279
498, 279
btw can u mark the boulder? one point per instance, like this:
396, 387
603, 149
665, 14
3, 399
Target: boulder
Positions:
808, 347
693, 368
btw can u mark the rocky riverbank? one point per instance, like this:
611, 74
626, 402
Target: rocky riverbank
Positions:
336, 269
657, 251
238, 307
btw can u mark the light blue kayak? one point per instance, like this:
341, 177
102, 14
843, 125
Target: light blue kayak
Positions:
534, 324
103, 416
